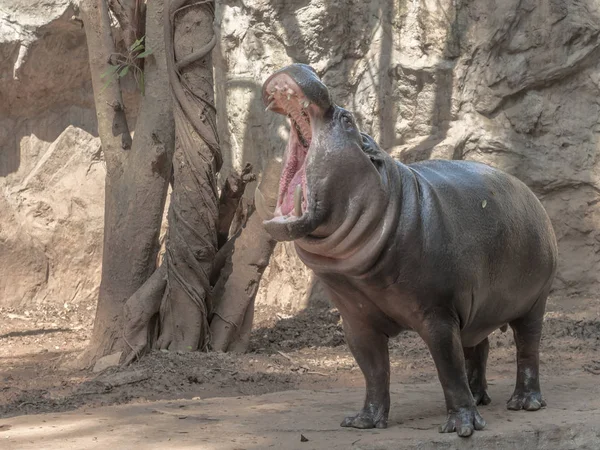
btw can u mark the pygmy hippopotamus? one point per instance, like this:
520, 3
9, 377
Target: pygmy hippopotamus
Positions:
450, 249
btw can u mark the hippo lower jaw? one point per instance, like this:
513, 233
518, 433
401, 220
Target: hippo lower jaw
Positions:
284, 228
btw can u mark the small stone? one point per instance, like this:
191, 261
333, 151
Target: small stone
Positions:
303, 439
107, 361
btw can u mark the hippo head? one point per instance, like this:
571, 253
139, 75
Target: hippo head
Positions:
328, 162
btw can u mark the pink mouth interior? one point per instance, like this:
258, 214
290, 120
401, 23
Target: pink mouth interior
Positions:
293, 174
287, 98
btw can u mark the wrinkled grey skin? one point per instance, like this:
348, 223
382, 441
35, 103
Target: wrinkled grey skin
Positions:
450, 249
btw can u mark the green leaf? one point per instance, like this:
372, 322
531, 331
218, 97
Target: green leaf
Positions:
137, 49
484, 203
109, 71
148, 51
136, 43
124, 71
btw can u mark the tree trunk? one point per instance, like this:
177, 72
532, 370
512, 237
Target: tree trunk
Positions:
236, 289
191, 243
137, 175
131, 16
169, 308
231, 195
143, 307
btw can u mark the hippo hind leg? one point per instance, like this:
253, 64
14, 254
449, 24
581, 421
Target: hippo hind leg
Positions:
370, 349
441, 333
527, 332
475, 362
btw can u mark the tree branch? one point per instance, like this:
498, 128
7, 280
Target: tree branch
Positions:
233, 190
130, 15
112, 122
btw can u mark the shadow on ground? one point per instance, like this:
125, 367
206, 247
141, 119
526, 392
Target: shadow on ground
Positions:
306, 351
318, 325
35, 332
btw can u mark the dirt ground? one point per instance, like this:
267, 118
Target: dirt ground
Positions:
307, 351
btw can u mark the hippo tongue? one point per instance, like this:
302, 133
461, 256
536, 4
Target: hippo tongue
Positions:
287, 203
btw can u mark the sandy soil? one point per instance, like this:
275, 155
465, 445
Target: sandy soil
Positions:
37, 348
309, 420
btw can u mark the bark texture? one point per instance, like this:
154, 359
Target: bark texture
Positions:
131, 17
172, 310
231, 195
236, 289
137, 174
191, 242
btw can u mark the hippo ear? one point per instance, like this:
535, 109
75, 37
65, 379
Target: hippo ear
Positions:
371, 149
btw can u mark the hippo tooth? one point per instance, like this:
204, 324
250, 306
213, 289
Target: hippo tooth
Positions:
270, 105
306, 103
261, 207
298, 201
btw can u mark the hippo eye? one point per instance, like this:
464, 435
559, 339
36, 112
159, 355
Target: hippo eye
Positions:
347, 121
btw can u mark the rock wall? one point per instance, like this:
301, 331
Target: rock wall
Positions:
514, 84
51, 172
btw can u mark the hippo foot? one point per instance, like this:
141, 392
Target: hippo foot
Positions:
464, 422
529, 401
364, 420
481, 397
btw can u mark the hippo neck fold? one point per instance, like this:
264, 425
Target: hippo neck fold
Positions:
355, 245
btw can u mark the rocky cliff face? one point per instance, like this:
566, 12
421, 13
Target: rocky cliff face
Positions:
514, 84
51, 173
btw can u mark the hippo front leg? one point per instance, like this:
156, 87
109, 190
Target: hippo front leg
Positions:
442, 335
370, 349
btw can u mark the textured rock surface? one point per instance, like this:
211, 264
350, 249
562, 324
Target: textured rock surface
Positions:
51, 173
514, 84
52, 224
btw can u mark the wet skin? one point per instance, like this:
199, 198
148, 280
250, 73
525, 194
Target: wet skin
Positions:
450, 249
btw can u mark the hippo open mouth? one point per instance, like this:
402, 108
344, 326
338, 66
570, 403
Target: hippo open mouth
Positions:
286, 97
298, 93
